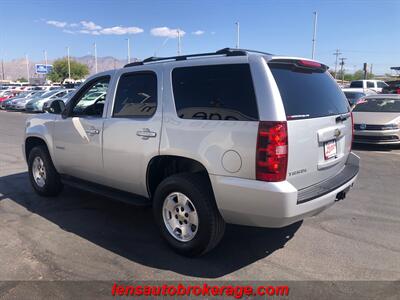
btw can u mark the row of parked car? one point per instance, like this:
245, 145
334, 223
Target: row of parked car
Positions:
33, 100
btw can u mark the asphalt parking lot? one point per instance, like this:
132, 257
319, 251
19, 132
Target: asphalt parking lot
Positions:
80, 236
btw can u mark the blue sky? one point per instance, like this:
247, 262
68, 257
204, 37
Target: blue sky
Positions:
364, 31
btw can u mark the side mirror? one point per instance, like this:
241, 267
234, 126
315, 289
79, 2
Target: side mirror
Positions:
54, 107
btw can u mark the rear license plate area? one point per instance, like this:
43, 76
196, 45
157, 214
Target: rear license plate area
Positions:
330, 149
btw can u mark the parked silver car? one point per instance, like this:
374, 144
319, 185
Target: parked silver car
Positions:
377, 120
36, 105
19, 102
232, 136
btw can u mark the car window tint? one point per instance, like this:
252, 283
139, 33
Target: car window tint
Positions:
370, 84
217, 92
136, 95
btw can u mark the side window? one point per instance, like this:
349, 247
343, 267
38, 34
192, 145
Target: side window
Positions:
370, 84
217, 92
136, 95
92, 98
381, 84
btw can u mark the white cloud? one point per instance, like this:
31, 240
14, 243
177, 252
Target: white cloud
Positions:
89, 25
73, 25
118, 30
57, 23
166, 32
198, 32
68, 31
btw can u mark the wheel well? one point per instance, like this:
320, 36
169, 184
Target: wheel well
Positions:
32, 142
161, 167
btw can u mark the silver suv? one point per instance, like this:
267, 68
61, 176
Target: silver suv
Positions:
234, 136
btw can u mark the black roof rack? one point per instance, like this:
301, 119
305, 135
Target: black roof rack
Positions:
224, 51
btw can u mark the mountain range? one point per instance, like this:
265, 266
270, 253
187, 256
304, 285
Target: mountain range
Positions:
16, 68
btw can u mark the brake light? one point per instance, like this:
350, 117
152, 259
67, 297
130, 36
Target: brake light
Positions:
272, 151
309, 63
398, 91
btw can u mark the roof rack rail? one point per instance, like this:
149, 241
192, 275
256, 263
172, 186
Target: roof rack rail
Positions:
224, 51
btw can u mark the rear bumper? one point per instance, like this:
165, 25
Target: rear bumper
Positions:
264, 204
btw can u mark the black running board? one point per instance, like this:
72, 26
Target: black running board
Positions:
105, 191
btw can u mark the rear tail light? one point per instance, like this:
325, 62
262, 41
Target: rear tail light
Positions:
398, 91
272, 151
352, 130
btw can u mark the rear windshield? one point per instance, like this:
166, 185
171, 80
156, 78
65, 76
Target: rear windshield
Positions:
356, 84
351, 95
308, 93
378, 105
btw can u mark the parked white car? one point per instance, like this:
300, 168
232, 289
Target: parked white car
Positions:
375, 85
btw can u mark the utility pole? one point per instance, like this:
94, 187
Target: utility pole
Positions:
370, 71
337, 53
129, 49
95, 57
314, 35
342, 67
69, 64
179, 41
27, 66
237, 35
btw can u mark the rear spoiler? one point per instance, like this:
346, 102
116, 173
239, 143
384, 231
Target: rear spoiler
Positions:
300, 63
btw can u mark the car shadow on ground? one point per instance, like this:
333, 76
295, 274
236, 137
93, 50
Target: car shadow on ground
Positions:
130, 231
373, 147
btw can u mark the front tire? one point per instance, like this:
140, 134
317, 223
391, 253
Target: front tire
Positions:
43, 176
185, 210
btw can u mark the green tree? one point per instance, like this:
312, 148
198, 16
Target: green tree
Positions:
60, 70
22, 79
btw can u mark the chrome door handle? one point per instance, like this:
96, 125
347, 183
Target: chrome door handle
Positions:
146, 133
92, 131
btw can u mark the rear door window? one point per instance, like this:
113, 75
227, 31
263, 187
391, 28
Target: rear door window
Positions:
308, 93
356, 84
370, 84
217, 92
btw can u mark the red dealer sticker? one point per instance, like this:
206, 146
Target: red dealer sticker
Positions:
330, 149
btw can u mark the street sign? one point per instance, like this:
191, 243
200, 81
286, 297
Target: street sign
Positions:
43, 69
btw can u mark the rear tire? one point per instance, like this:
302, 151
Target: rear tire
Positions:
43, 176
197, 226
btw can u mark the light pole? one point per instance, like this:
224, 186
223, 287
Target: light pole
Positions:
69, 64
179, 41
27, 66
237, 35
95, 57
45, 63
2, 66
129, 49
314, 34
